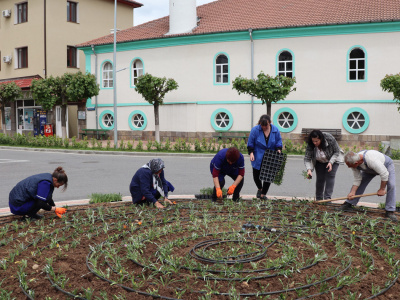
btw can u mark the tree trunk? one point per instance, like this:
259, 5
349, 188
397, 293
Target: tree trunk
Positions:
63, 119
269, 109
3, 118
157, 122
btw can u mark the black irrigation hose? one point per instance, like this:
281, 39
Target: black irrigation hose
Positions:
128, 289
227, 260
23, 290
53, 284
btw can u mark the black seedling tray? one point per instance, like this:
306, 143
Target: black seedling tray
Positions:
271, 164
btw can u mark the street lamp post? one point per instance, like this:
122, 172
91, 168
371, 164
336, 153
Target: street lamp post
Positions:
115, 76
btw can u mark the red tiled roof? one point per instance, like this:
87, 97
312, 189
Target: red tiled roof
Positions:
239, 15
22, 82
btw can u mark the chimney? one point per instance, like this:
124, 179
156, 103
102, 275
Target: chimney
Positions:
182, 16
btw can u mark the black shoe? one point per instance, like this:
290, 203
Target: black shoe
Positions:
35, 217
263, 197
346, 207
391, 216
258, 194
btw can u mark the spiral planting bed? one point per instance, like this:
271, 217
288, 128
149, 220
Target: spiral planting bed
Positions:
200, 250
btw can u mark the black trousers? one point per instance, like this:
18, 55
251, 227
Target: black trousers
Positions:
263, 186
236, 193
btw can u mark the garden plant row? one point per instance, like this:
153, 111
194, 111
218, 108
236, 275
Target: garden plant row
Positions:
198, 249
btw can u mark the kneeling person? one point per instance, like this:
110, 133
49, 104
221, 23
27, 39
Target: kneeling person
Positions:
149, 184
36, 192
228, 161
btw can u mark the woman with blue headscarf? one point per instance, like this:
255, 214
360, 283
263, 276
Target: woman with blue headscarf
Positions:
149, 184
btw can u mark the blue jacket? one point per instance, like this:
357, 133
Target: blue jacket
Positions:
25, 193
142, 185
220, 163
257, 142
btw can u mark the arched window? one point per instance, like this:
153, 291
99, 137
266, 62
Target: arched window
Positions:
357, 64
137, 70
285, 64
221, 69
107, 75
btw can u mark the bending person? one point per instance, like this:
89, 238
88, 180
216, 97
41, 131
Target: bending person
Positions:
36, 192
262, 137
228, 161
323, 153
149, 184
365, 166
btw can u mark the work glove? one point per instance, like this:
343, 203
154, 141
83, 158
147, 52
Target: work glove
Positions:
231, 189
219, 193
60, 211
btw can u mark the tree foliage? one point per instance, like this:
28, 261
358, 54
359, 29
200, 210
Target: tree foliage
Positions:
62, 89
59, 90
8, 93
391, 84
266, 88
153, 89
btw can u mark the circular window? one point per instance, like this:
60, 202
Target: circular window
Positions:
221, 120
355, 120
285, 119
137, 120
107, 119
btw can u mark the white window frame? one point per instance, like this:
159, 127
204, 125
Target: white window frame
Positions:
107, 80
138, 69
357, 69
285, 63
221, 74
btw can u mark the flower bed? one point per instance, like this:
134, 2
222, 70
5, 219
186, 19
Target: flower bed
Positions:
200, 250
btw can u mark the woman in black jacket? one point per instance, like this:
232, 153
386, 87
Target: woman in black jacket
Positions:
324, 154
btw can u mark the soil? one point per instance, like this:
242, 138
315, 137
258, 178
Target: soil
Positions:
196, 249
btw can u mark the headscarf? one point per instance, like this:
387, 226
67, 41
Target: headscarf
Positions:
156, 165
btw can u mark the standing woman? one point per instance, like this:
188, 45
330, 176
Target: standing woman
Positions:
36, 192
324, 154
262, 137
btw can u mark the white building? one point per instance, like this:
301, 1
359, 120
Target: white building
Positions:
338, 51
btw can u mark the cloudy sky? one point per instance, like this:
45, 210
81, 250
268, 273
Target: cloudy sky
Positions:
154, 9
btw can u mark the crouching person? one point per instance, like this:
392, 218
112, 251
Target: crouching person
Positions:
149, 184
36, 192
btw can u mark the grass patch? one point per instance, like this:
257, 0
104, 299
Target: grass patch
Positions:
100, 198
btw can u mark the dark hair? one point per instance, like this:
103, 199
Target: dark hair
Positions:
264, 120
232, 154
61, 177
316, 134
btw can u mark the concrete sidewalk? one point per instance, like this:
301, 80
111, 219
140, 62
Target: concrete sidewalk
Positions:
6, 211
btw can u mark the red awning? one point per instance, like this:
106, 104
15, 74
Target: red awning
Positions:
22, 82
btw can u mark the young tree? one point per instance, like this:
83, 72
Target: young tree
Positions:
71, 87
391, 84
153, 90
8, 93
266, 88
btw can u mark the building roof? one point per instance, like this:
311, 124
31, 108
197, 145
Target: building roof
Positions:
130, 3
22, 82
240, 15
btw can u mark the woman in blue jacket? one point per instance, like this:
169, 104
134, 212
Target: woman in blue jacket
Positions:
149, 184
36, 192
262, 136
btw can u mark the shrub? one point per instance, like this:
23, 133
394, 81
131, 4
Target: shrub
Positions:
139, 146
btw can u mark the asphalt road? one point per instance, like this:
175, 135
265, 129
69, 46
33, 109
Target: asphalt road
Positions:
105, 173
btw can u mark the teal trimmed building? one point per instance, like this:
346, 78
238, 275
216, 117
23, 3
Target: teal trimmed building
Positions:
338, 52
